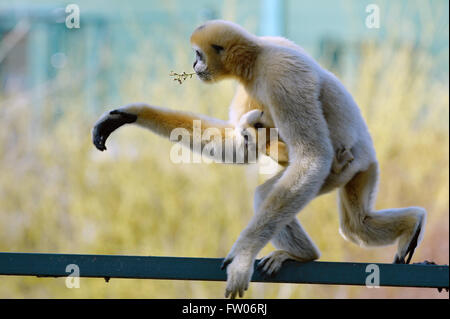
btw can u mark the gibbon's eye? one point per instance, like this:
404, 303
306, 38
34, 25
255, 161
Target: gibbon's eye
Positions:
217, 48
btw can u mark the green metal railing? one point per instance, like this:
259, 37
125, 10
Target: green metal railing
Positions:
181, 268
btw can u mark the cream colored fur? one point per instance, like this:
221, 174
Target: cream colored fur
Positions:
319, 123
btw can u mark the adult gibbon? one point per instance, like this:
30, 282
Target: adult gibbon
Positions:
319, 125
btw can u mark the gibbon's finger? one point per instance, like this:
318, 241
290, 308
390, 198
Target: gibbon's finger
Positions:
230, 294
108, 124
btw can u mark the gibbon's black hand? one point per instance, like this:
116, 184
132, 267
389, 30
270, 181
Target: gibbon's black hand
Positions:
108, 124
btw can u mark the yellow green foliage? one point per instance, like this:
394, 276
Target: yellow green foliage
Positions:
59, 194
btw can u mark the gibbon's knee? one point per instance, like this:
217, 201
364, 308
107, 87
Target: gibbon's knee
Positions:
292, 237
291, 192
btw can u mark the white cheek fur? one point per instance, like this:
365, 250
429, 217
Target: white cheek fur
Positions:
200, 67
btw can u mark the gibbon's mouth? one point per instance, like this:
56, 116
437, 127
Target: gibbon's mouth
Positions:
204, 76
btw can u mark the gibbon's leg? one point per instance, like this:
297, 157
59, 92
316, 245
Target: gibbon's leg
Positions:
163, 121
298, 184
292, 241
360, 223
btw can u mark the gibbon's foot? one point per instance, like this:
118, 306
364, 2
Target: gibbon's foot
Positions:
272, 263
107, 124
398, 260
411, 248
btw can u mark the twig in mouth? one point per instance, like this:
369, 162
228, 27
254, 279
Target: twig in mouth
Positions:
181, 77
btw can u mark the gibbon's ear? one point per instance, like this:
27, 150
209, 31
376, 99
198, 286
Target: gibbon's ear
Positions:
217, 48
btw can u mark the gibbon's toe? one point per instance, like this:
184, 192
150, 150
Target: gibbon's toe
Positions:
406, 258
271, 264
107, 124
399, 260
413, 244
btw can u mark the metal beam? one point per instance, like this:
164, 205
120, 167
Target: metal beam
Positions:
181, 268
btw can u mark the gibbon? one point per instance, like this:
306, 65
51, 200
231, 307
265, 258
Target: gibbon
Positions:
318, 123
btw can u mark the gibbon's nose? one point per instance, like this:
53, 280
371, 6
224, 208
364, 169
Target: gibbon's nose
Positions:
195, 63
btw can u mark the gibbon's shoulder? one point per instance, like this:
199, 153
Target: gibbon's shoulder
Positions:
281, 41
284, 42
282, 58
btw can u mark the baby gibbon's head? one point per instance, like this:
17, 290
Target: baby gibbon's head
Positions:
223, 49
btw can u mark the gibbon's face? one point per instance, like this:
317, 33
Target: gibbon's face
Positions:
209, 44
208, 64
223, 49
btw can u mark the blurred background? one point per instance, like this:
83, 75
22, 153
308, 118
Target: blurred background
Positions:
58, 194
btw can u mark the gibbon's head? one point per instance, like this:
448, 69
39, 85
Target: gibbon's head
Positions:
223, 49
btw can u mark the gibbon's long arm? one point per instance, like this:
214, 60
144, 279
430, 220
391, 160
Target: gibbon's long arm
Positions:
163, 121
